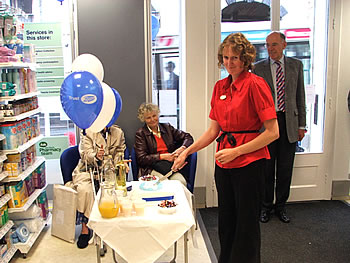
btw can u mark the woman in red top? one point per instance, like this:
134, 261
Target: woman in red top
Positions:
158, 144
241, 104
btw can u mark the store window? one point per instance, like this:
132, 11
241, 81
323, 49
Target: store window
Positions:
305, 25
166, 74
54, 16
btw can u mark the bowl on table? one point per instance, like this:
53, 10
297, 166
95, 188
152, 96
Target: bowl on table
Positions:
149, 182
167, 207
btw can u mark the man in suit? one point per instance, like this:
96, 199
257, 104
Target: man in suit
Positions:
173, 81
285, 78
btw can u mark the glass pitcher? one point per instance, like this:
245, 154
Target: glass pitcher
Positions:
108, 204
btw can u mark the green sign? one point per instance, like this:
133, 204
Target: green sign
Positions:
46, 37
50, 61
52, 147
48, 92
48, 52
49, 72
49, 82
42, 34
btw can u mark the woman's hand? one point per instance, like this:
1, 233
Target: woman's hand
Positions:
168, 156
179, 162
100, 153
127, 168
227, 155
179, 151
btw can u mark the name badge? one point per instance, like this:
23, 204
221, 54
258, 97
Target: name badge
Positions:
222, 97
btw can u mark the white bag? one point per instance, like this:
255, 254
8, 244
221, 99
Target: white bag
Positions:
64, 212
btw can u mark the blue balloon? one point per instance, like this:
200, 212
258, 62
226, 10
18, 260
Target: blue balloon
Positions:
155, 27
118, 108
81, 98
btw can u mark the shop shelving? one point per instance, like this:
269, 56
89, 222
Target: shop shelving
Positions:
29, 202
25, 146
27, 172
25, 247
9, 254
4, 199
4, 229
20, 97
21, 116
2, 158
3, 175
13, 65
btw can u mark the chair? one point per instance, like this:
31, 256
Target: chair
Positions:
69, 160
134, 165
190, 167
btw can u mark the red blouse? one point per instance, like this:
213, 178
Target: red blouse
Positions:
161, 146
243, 108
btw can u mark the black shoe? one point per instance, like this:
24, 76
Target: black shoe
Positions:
282, 215
83, 240
265, 216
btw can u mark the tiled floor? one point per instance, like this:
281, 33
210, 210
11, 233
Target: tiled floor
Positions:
51, 249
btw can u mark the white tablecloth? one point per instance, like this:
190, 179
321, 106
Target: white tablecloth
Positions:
145, 238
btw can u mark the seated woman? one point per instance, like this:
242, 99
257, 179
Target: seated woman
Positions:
157, 145
93, 147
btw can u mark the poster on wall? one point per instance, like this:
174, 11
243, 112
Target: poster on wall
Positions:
47, 41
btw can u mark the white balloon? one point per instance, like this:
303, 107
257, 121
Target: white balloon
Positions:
90, 63
107, 110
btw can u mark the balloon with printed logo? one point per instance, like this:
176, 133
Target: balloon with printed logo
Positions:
107, 110
81, 98
90, 63
118, 108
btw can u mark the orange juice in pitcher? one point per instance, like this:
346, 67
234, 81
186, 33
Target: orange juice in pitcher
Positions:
108, 204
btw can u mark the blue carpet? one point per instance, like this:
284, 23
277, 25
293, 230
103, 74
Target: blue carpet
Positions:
318, 232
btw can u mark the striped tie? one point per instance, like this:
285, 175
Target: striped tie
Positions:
280, 86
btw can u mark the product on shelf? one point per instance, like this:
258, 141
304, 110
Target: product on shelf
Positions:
20, 233
32, 212
18, 193
4, 215
5, 244
7, 88
39, 176
42, 202
29, 184
9, 130
18, 132
2, 189
33, 224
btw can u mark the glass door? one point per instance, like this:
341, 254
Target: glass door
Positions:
305, 25
166, 63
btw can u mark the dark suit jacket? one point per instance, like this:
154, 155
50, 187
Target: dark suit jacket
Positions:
294, 92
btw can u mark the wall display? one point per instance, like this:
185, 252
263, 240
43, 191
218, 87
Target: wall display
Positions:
46, 39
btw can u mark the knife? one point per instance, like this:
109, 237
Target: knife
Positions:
170, 173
